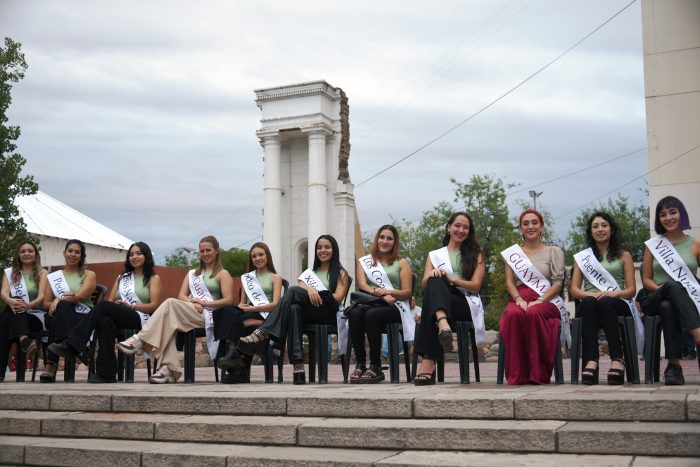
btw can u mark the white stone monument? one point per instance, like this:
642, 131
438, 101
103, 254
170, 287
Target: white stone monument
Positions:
305, 136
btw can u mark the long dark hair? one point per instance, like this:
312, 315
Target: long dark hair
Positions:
17, 264
81, 263
615, 244
667, 203
149, 265
395, 251
335, 268
266, 249
469, 249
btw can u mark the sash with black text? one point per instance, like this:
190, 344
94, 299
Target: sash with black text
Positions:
310, 278
20, 290
199, 289
597, 275
377, 275
529, 275
59, 287
669, 259
254, 291
441, 260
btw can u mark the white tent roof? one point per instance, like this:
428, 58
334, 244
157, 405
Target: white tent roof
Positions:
47, 216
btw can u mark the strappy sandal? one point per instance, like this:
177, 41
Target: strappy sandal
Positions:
248, 344
48, 376
424, 379
589, 376
372, 376
445, 337
357, 374
299, 374
28, 346
616, 376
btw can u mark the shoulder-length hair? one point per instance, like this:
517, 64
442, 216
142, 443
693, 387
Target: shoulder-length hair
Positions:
469, 249
266, 249
669, 202
17, 264
335, 268
217, 263
395, 251
615, 244
83, 255
149, 265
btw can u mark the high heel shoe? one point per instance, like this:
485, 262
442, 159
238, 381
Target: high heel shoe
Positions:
445, 337
589, 376
232, 360
616, 376
299, 374
47, 376
248, 344
424, 379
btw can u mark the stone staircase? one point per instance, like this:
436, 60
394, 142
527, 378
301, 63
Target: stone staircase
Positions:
272, 424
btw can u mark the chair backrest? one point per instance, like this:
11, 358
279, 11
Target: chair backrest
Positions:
98, 294
285, 286
347, 292
414, 282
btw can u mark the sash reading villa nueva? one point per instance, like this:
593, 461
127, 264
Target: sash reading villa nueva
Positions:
199, 289
310, 278
675, 267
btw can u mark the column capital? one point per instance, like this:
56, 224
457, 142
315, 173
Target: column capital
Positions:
317, 132
268, 136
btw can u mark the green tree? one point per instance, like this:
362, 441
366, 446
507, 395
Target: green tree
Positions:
182, 257
12, 226
633, 221
235, 261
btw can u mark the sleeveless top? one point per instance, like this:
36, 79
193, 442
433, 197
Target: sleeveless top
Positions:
685, 250
266, 284
75, 282
323, 276
32, 288
393, 273
142, 290
455, 262
615, 268
213, 285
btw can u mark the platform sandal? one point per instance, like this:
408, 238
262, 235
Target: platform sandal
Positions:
589, 375
445, 337
249, 344
372, 376
357, 374
299, 374
616, 376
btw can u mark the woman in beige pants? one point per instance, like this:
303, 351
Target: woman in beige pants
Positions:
205, 288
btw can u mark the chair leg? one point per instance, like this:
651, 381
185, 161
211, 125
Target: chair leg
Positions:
269, 363
649, 348
657, 350
312, 356
345, 360
501, 360
440, 366
462, 351
190, 342
475, 351
414, 364
558, 365
322, 354
392, 337
20, 359
69, 370
631, 360
406, 363
576, 324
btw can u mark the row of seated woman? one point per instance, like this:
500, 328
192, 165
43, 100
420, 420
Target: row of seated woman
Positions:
603, 281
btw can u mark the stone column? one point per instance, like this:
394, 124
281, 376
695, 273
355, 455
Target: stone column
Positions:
317, 189
272, 189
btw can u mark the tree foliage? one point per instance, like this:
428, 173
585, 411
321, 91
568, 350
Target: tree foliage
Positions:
633, 221
12, 185
182, 257
235, 260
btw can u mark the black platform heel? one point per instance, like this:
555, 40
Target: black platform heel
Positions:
616, 376
445, 337
232, 360
248, 344
589, 376
299, 374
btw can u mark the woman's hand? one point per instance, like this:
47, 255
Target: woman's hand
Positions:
438, 273
199, 308
245, 306
389, 299
197, 301
380, 292
521, 303
19, 306
315, 297
54, 304
533, 303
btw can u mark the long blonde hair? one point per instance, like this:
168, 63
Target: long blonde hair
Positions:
17, 264
217, 264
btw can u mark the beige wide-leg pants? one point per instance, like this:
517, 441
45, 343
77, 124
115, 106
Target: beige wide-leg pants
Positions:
159, 332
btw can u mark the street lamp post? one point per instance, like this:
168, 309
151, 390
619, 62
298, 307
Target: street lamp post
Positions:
534, 196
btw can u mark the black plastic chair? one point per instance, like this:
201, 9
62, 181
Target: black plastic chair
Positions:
652, 349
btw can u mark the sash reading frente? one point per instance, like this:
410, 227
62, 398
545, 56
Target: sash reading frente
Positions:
199, 289
667, 256
310, 278
529, 275
377, 275
254, 291
441, 260
59, 287
597, 275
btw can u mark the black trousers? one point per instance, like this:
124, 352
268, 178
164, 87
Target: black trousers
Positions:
12, 326
371, 322
106, 319
228, 323
601, 313
60, 325
438, 295
677, 313
294, 310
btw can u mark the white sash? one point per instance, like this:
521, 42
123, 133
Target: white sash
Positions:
254, 291
529, 275
669, 259
59, 287
199, 289
127, 290
441, 260
375, 272
18, 290
597, 275
310, 278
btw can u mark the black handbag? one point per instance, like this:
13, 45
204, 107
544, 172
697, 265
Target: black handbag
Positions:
362, 301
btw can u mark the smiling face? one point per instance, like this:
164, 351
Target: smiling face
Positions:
531, 227
136, 257
670, 219
208, 253
459, 229
27, 254
72, 255
600, 230
324, 250
385, 242
258, 257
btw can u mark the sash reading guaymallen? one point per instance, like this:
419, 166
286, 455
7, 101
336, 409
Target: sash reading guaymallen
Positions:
310, 278
378, 276
254, 291
199, 289
669, 259
59, 287
533, 278
597, 275
19, 290
441, 260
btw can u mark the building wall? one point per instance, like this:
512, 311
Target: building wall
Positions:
52, 252
671, 30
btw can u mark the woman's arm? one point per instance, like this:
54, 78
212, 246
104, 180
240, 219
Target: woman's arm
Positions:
630, 284
266, 308
341, 289
38, 302
5, 291
50, 301
576, 282
648, 271
406, 277
474, 283
553, 292
113, 291
362, 284
184, 293
512, 289
85, 290
226, 283
430, 271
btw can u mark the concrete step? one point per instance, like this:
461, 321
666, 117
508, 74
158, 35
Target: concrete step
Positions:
29, 450
568, 403
545, 436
